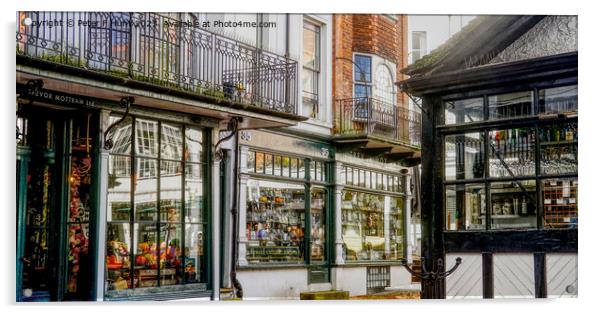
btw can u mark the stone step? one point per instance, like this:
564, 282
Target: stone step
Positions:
325, 295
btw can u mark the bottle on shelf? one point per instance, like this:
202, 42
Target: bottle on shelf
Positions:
523, 207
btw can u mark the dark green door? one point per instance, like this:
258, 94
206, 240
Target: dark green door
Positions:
319, 271
54, 201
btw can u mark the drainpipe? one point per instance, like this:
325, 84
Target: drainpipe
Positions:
235, 283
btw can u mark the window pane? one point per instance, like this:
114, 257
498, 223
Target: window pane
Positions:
311, 45
277, 165
121, 135
396, 229
362, 178
464, 156
301, 164
356, 177
286, 166
170, 254
119, 184
363, 226
145, 195
193, 193
194, 261
558, 148
362, 69
250, 161
171, 191
145, 241
362, 90
560, 203
312, 170
269, 166
510, 105
512, 152
318, 227
275, 221
146, 138
464, 111
465, 207
513, 205
171, 141
194, 145
319, 171
259, 160
558, 100
118, 257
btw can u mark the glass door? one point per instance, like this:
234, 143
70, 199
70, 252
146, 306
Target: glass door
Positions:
55, 197
318, 270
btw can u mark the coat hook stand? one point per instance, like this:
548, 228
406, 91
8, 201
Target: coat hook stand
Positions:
434, 275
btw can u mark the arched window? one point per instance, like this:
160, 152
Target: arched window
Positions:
383, 85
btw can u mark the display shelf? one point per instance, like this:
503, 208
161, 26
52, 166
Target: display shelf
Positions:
560, 203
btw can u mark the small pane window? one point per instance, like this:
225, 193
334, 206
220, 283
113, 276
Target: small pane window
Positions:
513, 205
512, 105
465, 207
558, 100
558, 148
464, 111
560, 199
512, 152
464, 156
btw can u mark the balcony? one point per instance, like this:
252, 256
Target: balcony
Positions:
378, 128
161, 51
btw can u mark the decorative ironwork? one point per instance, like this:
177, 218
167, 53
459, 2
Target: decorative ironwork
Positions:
152, 48
370, 116
435, 274
233, 129
126, 102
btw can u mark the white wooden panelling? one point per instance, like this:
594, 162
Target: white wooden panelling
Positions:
513, 275
467, 280
561, 275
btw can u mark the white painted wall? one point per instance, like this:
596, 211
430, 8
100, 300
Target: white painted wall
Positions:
513, 275
467, 281
260, 284
561, 275
352, 279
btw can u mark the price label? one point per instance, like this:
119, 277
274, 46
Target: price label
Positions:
547, 201
572, 201
560, 201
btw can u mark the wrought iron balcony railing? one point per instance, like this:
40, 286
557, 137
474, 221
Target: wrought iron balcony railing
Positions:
367, 116
161, 50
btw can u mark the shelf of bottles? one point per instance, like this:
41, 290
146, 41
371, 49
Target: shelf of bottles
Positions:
275, 221
558, 148
513, 204
560, 199
469, 198
512, 152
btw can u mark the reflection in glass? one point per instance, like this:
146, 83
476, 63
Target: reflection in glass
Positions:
171, 141
146, 138
118, 192
171, 191
558, 100
464, 156
512, 105
145, 195
121, 135
193, 193
465, 207
250, 161
513, 205
394, 247
512, 152
193, 253
464, 111
558, 148
194, 145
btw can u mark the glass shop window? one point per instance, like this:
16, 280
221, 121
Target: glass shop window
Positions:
558, 100
162, 242
512, 152
275, 222
465, 206
558, 148
372, 226
511, 105
513, 205
464, 156
464, 111
560, 199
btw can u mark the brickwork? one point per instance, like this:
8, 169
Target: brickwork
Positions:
366, 33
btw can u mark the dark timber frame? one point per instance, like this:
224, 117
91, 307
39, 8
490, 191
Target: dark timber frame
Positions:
531, 74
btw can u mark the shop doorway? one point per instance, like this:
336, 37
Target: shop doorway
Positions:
56, 193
